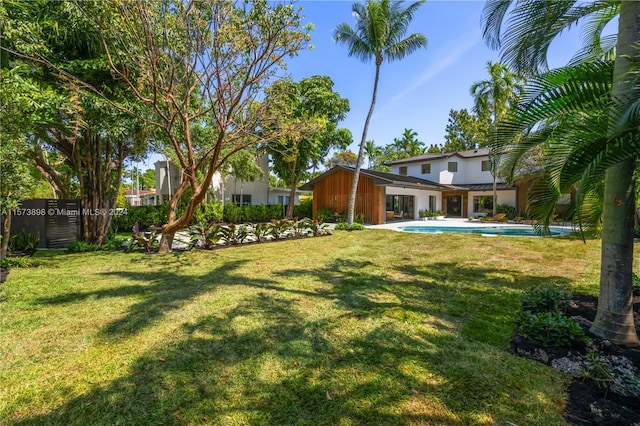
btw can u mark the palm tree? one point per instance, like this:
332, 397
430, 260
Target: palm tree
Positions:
378, 34
371, 151
532, 26
494, 97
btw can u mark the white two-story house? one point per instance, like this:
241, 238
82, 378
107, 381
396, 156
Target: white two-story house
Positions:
466, 178
458, 184
226, 188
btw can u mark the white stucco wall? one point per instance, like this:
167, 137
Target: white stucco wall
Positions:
469, 170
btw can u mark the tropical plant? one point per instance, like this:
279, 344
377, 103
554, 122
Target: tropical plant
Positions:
585, 117
279, 228
493, 98
551, 329
379, 34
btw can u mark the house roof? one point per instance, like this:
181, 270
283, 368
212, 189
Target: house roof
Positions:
391, 179
479, 152
381, 178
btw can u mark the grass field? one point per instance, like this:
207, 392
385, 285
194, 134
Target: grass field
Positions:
361, 328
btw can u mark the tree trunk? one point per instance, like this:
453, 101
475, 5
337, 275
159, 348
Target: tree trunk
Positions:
356, 174
6, 233
292, 199
614, 319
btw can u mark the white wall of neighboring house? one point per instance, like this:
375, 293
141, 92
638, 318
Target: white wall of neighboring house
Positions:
257, 190
168, 178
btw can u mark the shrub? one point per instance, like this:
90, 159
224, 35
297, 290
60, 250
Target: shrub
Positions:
510, 211
635, 279
304, 209
344, 226
24, 241
261, 230
208, 212
551, 329
327, 214
206, 234
82, 247
546, 299
279, 228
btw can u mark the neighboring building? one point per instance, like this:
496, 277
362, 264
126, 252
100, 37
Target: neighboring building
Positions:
229, 189
140, 197
459, 184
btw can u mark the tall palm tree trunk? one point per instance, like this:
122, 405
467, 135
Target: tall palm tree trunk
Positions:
614, 318
356, 174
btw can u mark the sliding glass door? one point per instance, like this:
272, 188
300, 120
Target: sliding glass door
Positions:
402, 206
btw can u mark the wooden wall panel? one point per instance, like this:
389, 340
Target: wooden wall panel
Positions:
333, 191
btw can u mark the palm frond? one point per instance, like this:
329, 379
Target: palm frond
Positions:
531, 27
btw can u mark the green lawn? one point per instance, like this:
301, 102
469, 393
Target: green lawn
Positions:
370, 327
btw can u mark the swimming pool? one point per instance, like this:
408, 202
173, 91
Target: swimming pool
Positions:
522, 231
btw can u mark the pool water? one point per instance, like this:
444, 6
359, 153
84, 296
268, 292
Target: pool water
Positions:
522, 231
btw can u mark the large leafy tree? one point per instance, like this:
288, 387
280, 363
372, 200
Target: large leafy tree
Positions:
466, 130
379, 34
84, 147
306, 115
602, 138
494, 97
192, 65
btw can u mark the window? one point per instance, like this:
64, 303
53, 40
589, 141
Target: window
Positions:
403, 170
482, 203
432, 203
283, 200
486, 165
236, 199
452, 166
426, 169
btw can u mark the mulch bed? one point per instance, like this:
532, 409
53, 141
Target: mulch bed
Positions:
588, 403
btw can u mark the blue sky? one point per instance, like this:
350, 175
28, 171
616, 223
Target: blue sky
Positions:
418, 91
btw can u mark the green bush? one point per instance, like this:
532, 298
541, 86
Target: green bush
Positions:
145, 216
510, 211
23, 241
325, 214
82, 247
344, 226
546, 299
304, 209
551, 329
208, 212
251, 213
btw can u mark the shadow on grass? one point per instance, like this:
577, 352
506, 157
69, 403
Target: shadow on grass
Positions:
162, 293
265, 362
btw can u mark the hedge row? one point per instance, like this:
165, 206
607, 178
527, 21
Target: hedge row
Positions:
147, 216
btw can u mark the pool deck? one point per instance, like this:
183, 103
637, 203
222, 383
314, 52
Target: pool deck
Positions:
446, 222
